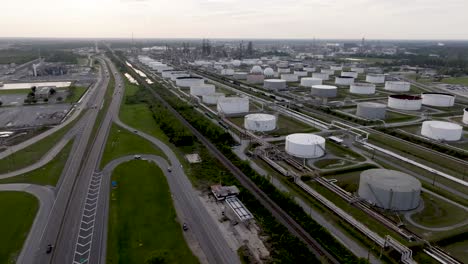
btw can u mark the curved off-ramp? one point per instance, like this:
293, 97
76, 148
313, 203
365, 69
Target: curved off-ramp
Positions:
46, 198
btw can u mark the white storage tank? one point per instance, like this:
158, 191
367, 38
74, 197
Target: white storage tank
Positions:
305, 145
168, 74
290, 77
405, 102
362, 88
328, 71
274, 84
174, 76
321, 75
236, 63
269, 72
438, 99
298, 66
371, 110
375, 78
358, 69
440, 130
324, 91
309, 82
256, 70
465, 116
336, 67
301, 73
309, 69
240, 75
389, 189
227, 72
283, 64
284, 70
344, 80
397, 86
233, 105
199, 90
212, 99
189, 81
260, 122
350, 74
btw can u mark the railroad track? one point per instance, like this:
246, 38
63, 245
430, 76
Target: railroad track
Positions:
263, 198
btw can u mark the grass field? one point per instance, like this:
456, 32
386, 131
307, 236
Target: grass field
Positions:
75, 94
14, 91
142, 219
18, 210
48, 174
285, 126
122, 142
459, 80
459, 250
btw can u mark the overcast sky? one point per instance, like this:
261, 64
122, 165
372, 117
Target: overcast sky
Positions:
373, 19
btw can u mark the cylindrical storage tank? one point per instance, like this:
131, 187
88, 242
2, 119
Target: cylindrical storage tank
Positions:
321, 75
370, 110
283, 64
305, 145
344, 80
465, 116
269, 72
309, 82
405, 102
174, 76
260, 122
227, 72
290, 77
309, 69
350, 74
298, 66
284, 70
236, 63
301, 73
362, 88
389, 189
233, 105
240, 75
199, 90
324, 91
357, 69
189, 81
336, 67
255, 78
440, 130
274, 84
375, 78
256, 70
438, 99
396, 86
328, 71
212, 99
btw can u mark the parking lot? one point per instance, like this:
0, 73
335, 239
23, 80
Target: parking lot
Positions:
30, 116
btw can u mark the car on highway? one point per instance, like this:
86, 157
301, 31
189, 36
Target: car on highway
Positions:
49, 249
135, 131
136, 157
185, 227
169, 169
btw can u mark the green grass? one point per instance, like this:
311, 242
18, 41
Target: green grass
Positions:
122, 142
438, 213
459, 250
142, 219
343, 152
75, 94
331, 163
48, 174
18, 210
14, 91
459, 80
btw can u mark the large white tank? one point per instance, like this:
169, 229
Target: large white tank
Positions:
309, 82
174, 76
199, 90
328, 71
283, 70
309, 69
168, 74
324, 91
336, 67
357, 69
397, 86
375, 78
283, 64
189, 81
274, 84
389, 189
290, 77
301, 73
465, 116
371, 110
440, 130
438, 99
321, 75
256, 70
260, 122
350, 74
362, 88
233, 105
405, 102
344, 80
212, 99
236, 63
269, 72
305, 145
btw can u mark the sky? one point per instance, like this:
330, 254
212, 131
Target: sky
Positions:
304, 19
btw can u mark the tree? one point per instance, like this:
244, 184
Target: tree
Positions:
46, 100
52, 91
31, 95
59, 98
33, 89
157, 257
1, 103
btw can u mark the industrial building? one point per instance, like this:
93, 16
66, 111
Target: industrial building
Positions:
344, 80
389, 189
362, 88
212, 99
189, 81
440, 130
324, 91
233, 105
237, 211
274, 84
371, 110
260, 122
405, 102
306, 146
204, 89
438, 99
310, 81
222, 192
375, 78
395, 86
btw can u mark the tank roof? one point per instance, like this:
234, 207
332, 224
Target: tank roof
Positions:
406, 96
439, 94
189, 77
391, 180
304, 138
323, 86
372, 104
443, 124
